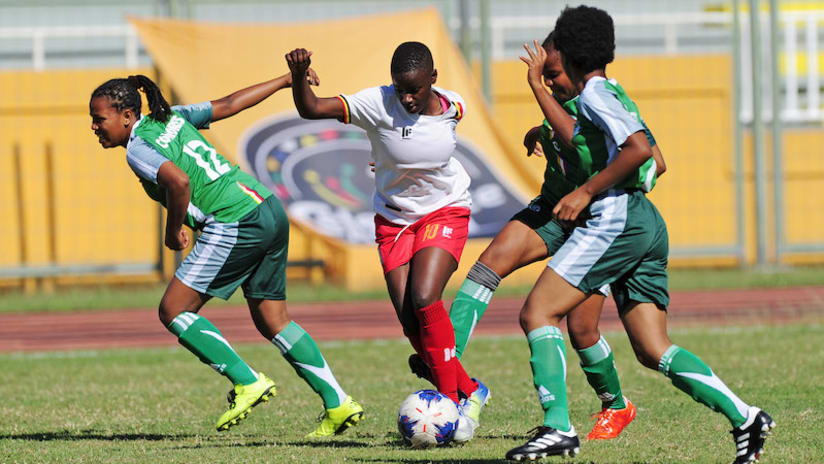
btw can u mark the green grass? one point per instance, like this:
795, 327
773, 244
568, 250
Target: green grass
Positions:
159, 405
148, 296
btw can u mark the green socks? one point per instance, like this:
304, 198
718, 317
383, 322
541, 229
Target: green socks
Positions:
696, 379
467, 309
203, 339
548, 362
471, 302
303, 354
599, 366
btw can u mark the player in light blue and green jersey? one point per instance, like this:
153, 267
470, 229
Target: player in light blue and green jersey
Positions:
623, 244
243, 240
533, 234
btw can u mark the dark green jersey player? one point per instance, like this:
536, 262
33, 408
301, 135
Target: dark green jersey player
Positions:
533, 235
623, 244
243, 240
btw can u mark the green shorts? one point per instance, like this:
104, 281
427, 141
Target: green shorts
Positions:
538, 216
250, 253
624, 244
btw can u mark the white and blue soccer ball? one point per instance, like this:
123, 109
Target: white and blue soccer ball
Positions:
427, 418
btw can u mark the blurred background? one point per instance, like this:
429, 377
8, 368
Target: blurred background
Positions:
732, 91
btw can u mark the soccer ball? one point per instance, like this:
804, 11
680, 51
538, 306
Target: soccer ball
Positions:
427, 418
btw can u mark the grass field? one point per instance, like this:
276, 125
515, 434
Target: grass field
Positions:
103, 298
159, 405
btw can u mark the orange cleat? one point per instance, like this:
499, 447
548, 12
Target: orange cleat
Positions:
611, 422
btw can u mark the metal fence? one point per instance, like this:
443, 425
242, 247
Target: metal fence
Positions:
779, 58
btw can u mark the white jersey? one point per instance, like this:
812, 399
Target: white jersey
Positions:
415, 170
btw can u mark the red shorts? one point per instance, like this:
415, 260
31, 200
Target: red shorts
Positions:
446, 228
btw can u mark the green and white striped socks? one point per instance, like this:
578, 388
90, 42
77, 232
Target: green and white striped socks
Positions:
599, 366
202, 338
300, 350
548, 362
696, 379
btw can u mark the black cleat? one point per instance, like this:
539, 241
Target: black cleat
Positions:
749, 438
419, 367
546, 442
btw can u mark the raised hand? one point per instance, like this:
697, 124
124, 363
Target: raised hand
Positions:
299, 61
535, 62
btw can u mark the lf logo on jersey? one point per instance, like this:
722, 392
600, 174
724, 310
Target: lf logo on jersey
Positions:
320, 170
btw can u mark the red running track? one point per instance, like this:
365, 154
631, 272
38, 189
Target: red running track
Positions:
376, 319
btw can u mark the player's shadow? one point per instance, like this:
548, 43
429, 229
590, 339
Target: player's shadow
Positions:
329, 444
69, 435
435, 461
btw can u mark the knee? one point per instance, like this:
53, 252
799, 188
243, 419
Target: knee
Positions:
647, 359
166, 314
528, 319
423, 297
582, 334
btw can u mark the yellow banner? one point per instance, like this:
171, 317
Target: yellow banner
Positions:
205, 61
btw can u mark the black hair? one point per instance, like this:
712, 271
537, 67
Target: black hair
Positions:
123, 94
585, 35
549, 41
411, 56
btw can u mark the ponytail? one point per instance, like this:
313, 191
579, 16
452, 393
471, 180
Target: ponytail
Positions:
159, 109
123, 94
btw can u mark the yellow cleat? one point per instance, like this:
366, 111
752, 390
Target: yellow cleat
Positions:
243, 398
336, 420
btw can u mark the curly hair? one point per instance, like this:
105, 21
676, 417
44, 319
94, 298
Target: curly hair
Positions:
411, 56
585, 35
123, 93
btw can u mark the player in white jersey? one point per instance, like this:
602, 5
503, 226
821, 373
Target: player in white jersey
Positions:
421, 201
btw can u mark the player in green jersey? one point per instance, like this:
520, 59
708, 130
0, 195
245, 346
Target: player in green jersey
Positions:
243, 240
533, 235
623, 244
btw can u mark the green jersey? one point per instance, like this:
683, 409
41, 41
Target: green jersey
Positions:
606, 118
567, 168
220, 191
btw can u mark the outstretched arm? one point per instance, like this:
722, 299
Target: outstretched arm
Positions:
251, 96
308, 105
561, 122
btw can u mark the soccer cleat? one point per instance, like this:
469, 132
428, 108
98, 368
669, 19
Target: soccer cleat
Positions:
243, 398
336, 420
419, 367
611, 422
546, 442
473, 405
750, 436
465, 430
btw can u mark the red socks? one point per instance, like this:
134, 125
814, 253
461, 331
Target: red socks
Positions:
438, 339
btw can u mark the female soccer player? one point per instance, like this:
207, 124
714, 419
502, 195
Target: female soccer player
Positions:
243, 241
421, 201
624, 244
533, 234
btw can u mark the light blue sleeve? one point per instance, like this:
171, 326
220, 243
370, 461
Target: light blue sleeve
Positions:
198, 114
602, 107
144, 160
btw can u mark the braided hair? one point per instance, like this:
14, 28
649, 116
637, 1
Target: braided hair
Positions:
123, 94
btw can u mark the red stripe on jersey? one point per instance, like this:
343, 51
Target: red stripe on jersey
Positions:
460, 111
255, 196
345, 108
